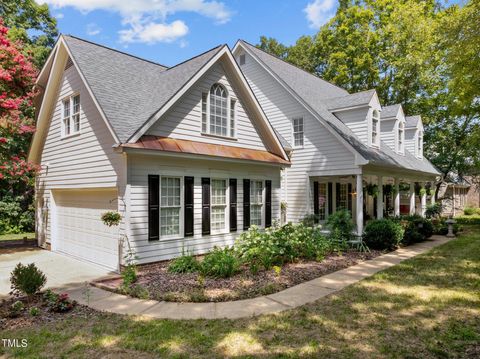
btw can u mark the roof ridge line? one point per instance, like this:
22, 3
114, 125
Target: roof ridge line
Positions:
196, 56
298, 67
115, 50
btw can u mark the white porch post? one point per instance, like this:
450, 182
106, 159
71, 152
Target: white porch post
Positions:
412, 197
423, 201
432, 190
380, 198
397, 197
359, 203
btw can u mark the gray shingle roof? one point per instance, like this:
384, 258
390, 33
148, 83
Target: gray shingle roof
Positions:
412, 121
285, 144
350, 100
128, 89
390, 111
312, 92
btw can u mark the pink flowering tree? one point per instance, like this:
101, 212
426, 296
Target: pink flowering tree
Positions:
17, 79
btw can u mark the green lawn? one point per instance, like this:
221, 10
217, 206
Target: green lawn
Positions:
426, 307
12, 237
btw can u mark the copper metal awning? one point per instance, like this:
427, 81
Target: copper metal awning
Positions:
207, 149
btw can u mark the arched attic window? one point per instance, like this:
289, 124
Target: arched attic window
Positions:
375, 127
401, 137
218, 112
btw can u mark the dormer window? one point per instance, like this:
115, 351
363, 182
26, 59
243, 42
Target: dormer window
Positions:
218, 112
401, 137
71, 115
420, 144
375, 127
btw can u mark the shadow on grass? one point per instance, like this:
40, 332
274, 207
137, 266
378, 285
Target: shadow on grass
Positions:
425, 307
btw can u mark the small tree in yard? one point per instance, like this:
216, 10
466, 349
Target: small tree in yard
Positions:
17, 79
27, 279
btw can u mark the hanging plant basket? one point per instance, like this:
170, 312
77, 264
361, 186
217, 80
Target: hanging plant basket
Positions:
111, 218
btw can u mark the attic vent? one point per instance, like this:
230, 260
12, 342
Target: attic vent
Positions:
242, 59
69, 63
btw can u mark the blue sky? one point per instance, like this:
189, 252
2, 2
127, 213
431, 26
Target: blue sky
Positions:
170, 31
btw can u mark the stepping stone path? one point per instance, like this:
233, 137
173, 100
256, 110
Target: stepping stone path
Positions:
293, 297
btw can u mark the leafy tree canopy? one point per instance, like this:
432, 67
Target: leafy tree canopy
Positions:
32, 24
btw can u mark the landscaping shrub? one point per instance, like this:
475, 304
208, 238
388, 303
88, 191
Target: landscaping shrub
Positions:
58, 303
468, 220
16, 309
310, 220
341, 226
468, 211
187, 263
477, 211
383, 234
412, 235
13, 218
433, 210
220, 263
440, 227
27, 279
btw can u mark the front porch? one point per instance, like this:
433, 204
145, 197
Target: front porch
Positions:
381, 195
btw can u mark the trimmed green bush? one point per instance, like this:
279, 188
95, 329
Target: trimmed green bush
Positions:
187, 263
477, 211
468, 211
468, 220
412, 235
27, 279
220, 263
433, 210
383, 234
341, 226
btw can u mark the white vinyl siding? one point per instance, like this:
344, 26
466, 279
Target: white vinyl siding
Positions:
321, 151
170, 207
388, 135
256, 202
357, 121
140, 166
86, 161
187, 118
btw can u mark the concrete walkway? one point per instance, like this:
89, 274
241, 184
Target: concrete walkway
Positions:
289, 298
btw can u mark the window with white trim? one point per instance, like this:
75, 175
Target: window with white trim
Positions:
322, 201
218, 205
375, 126
420, 144
256, 202
401, 137
218, 112
170, 207
343, 196
71, 115
298, 130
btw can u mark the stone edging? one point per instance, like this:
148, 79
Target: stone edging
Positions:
292, 297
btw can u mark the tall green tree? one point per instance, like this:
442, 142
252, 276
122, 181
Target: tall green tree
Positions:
32, 24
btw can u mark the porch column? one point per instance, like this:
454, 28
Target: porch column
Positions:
359, 204
396, 200
423, 201
432, 190
380, 198
412, 197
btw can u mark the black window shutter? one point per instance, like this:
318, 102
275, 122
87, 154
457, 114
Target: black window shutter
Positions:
246, 204
153, 207
349, 196
316, 202
205, 205
188, 208
330, 198
268, 203
233, 204
337, 207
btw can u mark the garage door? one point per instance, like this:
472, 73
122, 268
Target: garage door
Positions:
78, 230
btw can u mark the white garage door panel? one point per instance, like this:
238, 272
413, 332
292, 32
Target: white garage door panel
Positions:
80, 231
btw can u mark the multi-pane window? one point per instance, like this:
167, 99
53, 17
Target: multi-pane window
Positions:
204, 112
218, 204
71, 115
256, 202
232, 117
401, 137
218, 110
375, 126
322, 200
343, 197
298, 129
170, 206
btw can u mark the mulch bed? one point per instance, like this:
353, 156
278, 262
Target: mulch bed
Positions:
44, 316
155, 282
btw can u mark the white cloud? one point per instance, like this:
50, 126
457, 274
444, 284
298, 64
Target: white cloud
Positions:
93, 29
154, 32
58, 15
146, 20
319, 12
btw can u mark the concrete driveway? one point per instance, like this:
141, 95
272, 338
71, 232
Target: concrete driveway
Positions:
62, 271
